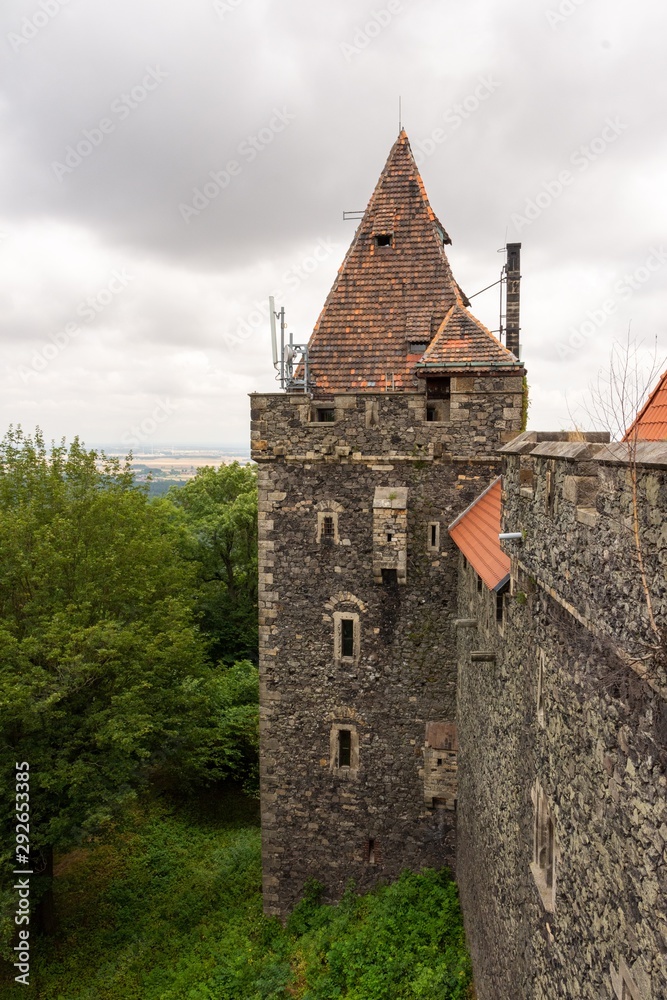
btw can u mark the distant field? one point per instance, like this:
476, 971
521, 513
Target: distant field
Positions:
169, 467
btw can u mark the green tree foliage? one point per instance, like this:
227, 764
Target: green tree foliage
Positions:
220, 510
105, 681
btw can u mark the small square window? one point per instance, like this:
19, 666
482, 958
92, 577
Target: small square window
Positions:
384, 240
417, 347
325, 415
390, 577
327, 526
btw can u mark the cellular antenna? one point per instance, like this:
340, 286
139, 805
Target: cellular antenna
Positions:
274, 337
292, 361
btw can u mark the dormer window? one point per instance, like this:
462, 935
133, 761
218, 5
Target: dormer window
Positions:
384, 240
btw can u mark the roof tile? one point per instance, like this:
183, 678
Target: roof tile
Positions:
475, 533
651, 422
384, 295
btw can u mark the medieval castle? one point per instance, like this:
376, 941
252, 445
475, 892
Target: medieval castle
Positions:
431, 694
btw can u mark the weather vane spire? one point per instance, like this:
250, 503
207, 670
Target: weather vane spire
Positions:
400, 116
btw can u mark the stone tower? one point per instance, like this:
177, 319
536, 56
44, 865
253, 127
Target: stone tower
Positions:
410, 399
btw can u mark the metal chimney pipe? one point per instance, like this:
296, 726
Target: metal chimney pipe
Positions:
513, 271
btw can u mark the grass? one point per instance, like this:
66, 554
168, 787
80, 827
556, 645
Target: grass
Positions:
170, 909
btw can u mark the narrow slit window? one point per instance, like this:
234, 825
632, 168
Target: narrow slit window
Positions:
432, 413
389, 536
344, 747
500, 607
544, 852
540, 687
371, 851
347, 637
434, 536
479, 584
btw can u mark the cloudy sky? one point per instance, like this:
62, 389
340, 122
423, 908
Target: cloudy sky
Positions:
167, 165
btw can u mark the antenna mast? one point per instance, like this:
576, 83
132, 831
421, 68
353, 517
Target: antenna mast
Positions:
291, 357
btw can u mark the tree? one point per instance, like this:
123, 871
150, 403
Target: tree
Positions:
104, 674
220, 511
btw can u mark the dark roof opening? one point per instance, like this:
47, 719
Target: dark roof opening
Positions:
384, 240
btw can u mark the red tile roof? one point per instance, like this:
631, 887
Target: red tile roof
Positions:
384, 297
462, 342
651, 422
476, 531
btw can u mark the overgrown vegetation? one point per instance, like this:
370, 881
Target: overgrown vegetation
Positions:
169, 907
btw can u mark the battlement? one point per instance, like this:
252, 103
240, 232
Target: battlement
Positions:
468, 416
588, 510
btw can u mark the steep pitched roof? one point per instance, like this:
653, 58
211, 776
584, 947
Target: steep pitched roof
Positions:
385, 296
651, 422
462, 342
475, 532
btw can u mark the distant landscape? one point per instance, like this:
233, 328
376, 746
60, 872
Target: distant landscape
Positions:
164, 467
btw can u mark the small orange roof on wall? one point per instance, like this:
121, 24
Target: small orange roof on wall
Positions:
651, 422
476, 531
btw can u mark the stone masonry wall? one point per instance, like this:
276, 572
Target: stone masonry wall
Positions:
485, 412
394, 805
568, 705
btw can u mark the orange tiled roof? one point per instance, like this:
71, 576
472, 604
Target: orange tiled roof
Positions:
385, 296
462, 342
476, 531
651, 422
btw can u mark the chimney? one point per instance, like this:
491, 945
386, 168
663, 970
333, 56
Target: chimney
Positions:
513, 272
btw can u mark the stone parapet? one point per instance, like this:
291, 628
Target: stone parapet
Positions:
483, 414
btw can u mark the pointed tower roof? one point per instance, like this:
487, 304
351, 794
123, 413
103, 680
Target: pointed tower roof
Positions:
462, 343
393, 290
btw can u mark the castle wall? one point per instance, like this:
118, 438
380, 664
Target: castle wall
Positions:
564, 722
340, 503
